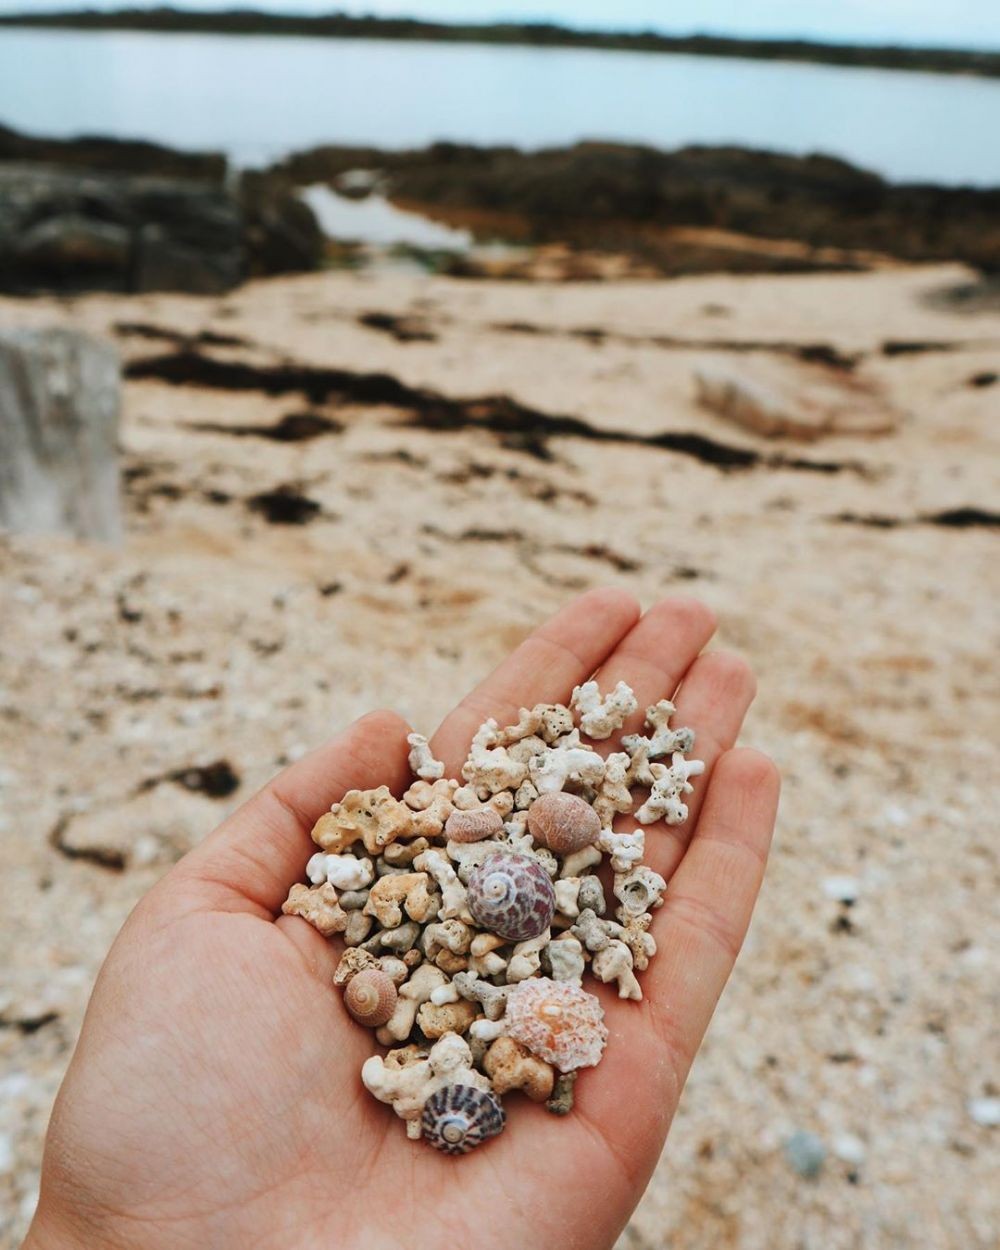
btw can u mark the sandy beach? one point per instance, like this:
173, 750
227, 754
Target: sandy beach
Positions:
302, 546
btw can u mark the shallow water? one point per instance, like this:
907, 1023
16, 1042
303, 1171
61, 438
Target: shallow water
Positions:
260, 97
375, 220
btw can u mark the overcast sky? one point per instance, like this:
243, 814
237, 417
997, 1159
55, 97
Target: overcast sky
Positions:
974, 23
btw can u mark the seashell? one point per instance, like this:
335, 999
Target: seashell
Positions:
484, 822
370, 997
458, 1117
558, 1021
512, 896
563, 822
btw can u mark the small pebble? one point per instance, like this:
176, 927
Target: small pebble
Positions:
806, 1153
985, 1111
842, 889
849, 1149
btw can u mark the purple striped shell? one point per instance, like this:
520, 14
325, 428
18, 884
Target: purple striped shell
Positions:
512, 896
459, 1117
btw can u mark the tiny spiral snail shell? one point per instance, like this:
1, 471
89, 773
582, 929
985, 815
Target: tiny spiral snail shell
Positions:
370, 997
512, 896
563, 822
459, 1117
483, 822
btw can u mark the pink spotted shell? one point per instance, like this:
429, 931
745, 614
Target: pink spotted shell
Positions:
512, 896
557, 1021
563, 822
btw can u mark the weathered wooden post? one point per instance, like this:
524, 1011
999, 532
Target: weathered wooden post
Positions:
59, 403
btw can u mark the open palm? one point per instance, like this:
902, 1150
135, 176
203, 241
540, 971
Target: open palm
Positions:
214, 1099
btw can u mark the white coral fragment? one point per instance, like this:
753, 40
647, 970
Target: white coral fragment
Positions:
344, 872
567, 761
490, 768
638, 891
412, 996
566, 960
614, 794
601, 717
421, 758
454, 902
526, 958
614, 963
664, 802
625, 849
663, 740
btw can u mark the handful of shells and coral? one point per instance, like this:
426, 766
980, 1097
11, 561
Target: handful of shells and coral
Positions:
561, 876
476, 911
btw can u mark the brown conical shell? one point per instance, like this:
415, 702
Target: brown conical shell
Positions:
370, 997
563, 822
474, 826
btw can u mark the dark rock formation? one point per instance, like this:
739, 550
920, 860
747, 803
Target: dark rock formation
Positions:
623, 197
281, 232
64, 228
126, 156
61, 229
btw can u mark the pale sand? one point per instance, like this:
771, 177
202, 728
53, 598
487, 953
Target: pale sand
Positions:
207, 637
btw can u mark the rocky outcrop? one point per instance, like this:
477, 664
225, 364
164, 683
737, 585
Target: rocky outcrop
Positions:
622, 197
125, 156
59, 401
63, 229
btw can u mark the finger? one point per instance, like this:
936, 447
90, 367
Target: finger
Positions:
655, 655
544, 668
707, 905
713, 701
253, 858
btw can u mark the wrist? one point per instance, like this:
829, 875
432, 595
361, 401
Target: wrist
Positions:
50, 1232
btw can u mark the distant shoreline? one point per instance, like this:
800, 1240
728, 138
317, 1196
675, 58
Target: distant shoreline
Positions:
538, 35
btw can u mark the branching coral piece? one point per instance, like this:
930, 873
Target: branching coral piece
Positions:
663, 740
625, 849
567, 761
319, 906
512, 1066
422, 761
664, 802
393, 894
614, 794
638, 891
614, 963
491, 768
373, 816
601, 717
454, 899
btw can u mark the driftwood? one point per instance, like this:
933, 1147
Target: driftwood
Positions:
59, 402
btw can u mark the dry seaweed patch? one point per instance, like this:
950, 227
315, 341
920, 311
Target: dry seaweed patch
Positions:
516, 426
949, 518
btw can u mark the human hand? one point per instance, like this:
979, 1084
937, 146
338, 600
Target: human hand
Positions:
214, 1099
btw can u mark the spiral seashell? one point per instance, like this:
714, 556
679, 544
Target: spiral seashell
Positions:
512, 896
563, 822
459, 1117
370, 997
557, 1021
483, 822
